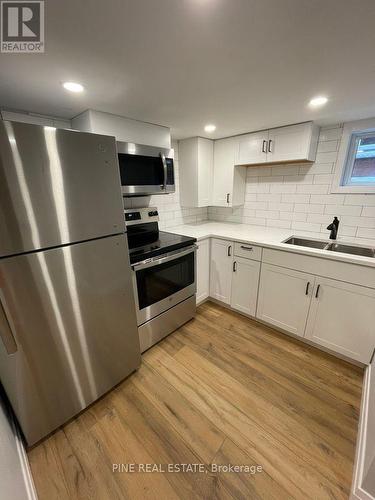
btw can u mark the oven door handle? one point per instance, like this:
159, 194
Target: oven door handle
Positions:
164, 162
172, 256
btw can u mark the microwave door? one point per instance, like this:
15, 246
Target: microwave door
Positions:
146, 172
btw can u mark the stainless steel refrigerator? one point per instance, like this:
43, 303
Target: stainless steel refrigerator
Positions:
68, 329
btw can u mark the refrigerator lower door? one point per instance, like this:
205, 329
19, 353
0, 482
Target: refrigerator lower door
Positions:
68, 330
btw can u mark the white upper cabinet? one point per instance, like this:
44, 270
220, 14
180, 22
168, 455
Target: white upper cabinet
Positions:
196, 171
279, 145
293, 143
229, 180
252, 148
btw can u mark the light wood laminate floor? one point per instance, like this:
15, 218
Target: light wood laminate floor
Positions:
223, 389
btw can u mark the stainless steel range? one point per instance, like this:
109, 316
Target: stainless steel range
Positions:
164, 275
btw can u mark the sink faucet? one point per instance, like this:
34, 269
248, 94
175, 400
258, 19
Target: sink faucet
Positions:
333, 227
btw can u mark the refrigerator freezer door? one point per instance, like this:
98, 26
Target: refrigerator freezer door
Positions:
71, 313
56, 187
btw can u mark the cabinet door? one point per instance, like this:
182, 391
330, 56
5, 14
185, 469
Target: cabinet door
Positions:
245, 282
289, 143
342, 318
203, 270
252, 148
221, 269
224, 160
284, 298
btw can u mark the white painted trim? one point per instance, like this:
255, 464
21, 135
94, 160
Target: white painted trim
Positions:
349, 128
26, 472
357, 492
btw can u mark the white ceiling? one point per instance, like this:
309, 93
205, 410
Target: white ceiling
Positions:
241, 64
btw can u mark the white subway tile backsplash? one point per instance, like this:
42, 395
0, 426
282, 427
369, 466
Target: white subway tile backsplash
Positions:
328, 146
299, 179
313, 189
326, 157
317, 168
279, 223
331, 199
283, 188
343, 210
298, 216
295, 198
320, 218
366, 211
286, 170
309, 208
283, 207
360, 199
366, 233
267, 214
269, 197
358, 221
306, 226
330, 134
323, 179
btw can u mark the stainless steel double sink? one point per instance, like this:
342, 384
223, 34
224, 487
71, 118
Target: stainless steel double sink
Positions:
331, 247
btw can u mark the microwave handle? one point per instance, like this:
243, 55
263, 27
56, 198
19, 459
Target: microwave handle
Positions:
164, 162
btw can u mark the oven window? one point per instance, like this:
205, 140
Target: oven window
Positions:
138, 170
160, 281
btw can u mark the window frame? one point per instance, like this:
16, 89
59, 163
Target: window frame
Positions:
345, 154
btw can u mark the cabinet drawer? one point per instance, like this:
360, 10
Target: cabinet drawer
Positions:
248, 251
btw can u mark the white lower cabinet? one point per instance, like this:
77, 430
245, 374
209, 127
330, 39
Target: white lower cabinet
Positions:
203, 270
284, 298
221, 269
342, 318
245, 280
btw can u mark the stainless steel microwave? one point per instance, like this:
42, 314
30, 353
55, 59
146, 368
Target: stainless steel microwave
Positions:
145, 170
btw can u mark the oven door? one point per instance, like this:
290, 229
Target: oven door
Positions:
145, 170
163, 282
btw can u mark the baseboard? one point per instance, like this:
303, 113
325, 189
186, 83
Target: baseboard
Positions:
358, 493
26, 472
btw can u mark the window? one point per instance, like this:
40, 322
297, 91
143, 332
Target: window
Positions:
355, 168
360, 162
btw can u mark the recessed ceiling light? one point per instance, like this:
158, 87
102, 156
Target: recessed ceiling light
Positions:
210, 128
73, 87
318, 101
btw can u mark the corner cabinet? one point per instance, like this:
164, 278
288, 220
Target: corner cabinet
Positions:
342, 318
334, 314
196, 156
229, 180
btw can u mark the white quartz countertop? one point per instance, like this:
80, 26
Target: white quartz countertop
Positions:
271, 238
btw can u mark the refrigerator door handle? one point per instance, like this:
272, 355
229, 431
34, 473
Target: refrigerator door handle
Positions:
7, 334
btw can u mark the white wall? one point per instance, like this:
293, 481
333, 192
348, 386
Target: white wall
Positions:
297, 197
15, 479
170, 211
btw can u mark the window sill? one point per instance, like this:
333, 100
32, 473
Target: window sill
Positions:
352, 189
